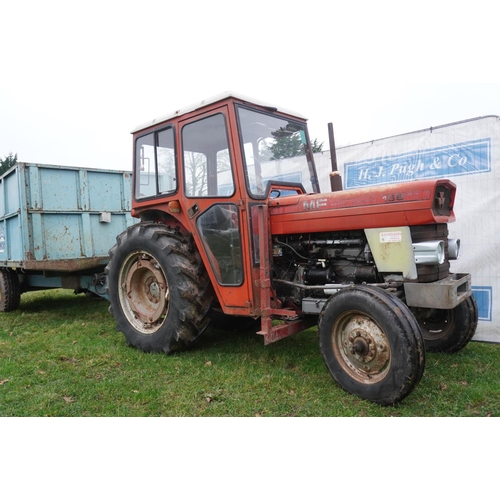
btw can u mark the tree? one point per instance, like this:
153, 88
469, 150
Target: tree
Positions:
7, 163
289, 143
317, 148
286, 144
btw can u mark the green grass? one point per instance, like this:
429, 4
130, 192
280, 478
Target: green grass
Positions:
60, 355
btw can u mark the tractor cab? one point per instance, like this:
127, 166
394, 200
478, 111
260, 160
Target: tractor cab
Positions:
212, 140
208, 168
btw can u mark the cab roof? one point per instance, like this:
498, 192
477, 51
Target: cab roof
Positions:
212, 100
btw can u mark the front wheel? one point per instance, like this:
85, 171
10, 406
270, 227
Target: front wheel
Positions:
371, 344
448, 330
159, 291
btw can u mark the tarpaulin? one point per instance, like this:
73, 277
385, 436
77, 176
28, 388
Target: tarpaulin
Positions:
467, 153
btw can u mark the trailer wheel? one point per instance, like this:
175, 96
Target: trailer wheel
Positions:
10, 290
159, 290
371, 344
448, 330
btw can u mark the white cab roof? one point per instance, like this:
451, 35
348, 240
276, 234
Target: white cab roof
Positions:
212, 100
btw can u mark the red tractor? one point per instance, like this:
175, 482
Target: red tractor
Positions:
232, 222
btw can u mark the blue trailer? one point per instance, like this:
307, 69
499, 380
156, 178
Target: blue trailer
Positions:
57, 224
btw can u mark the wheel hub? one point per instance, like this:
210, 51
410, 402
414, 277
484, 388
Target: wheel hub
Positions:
365, 348
361, 347
436, 324
146, 291
153, 290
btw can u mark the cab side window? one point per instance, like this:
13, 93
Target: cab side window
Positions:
206, 158
155, 171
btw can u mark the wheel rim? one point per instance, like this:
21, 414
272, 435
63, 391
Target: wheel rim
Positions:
361, 347
436, 325
144, 292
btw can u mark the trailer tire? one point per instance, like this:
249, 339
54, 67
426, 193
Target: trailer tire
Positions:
10, 290
448, 330
159, 290
371, 344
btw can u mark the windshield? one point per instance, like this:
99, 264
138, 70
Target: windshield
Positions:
275, 149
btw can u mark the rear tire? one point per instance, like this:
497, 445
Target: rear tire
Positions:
371, 344
159, 290
10, 290
448, 330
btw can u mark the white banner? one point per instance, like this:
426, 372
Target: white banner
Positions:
467, 153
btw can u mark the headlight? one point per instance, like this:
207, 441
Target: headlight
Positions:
429, 252
453, 249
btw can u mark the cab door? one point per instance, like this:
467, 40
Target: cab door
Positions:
214, 203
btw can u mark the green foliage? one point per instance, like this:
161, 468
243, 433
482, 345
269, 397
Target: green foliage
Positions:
317, 148
286, 145
7, 163
289, 144
60, 355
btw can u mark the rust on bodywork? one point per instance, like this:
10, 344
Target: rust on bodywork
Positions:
64, 265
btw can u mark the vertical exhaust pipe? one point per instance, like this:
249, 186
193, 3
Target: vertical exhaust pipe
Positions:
335, 177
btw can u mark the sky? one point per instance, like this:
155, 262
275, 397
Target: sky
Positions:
76, 78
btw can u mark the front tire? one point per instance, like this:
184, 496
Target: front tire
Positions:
371, 344
448, 330
159, 291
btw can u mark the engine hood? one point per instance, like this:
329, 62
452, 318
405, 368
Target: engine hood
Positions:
404, 204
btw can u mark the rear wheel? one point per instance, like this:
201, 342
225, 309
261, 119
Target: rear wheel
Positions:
371, 344
159, 290
448, 330
10, 290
